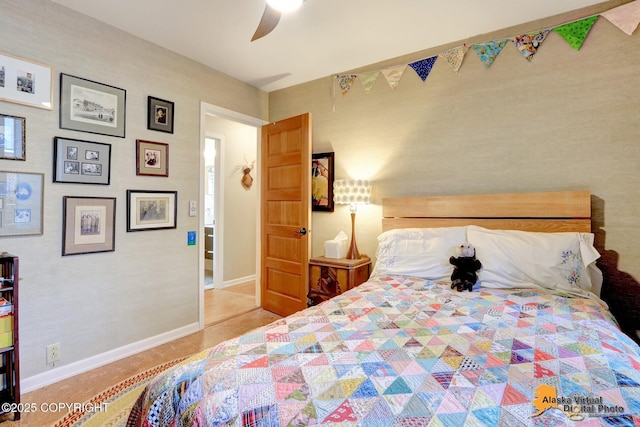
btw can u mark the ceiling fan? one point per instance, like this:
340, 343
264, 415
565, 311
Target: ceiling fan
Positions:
271, 16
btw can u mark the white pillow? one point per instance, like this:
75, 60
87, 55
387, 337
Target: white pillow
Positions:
418, 252
522, 259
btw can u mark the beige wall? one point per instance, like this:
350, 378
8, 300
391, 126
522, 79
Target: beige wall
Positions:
100, 306
567, 120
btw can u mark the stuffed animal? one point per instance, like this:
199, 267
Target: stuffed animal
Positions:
465, 267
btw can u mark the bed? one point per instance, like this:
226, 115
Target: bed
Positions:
531, 345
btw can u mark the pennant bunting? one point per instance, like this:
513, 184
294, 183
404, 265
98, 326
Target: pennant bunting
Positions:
394, 74
528, 44
345, 82
455, 56
489, 51
575, 32
368, 80
423, 67
625, 17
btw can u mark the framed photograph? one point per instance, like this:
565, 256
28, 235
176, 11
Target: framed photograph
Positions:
81, 162
93, 107
152, 158
12, 137
322, 182
26, 82
160, 115
151, 210
88, 225
22, 195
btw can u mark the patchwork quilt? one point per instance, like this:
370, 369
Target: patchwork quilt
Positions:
401, 351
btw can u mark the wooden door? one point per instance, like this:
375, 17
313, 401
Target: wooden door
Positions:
285, 214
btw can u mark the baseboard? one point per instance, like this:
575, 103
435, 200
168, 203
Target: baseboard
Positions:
239, 281
67, 371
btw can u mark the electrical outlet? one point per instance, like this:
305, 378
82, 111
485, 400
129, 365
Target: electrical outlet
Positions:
53, 353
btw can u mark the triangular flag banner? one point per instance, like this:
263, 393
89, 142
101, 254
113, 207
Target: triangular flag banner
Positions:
423, 67
575, 32
488, 52
625, 17
368, 80
394, 74
528, 44
455, 56
345, 82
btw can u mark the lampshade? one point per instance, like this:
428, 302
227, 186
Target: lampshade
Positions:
352, 191
285, 5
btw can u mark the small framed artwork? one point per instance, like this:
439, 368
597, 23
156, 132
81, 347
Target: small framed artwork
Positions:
322, 182
81, 162
12, 137
88, 225
152, 158
151, 210
26, 82
22, 195
160, 115
93, 107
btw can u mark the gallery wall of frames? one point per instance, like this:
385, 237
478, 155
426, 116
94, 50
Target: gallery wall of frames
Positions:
89, 107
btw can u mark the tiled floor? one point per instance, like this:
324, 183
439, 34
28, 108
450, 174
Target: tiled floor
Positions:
84, 386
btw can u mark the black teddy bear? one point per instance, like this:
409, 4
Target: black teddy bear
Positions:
465, 267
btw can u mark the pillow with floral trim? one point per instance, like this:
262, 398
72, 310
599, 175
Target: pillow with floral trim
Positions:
418, 252
523, 259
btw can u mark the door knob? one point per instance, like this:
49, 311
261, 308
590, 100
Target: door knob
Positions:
302, 231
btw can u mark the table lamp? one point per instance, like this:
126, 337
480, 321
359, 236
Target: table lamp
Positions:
352, 192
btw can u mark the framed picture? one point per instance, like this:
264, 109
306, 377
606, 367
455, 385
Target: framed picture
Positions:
12, 137
322, 182
88, 225
151, 210
93, 107
21, 207
26, 82
152, 158
160, 115
81, 162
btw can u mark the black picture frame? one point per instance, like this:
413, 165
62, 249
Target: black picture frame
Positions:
160, 114
322, 176
81, 162
88, 225
151, 210
92, 107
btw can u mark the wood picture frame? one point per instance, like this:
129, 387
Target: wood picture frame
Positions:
151, 210
26, 82
81, 162
152, 158
160, 114
92, 107
22, 196
12, 137
88, 225
322, 176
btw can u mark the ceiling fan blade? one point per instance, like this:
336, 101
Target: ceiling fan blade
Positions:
268, 22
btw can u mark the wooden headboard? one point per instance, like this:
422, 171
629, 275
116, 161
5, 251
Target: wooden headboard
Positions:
547, 212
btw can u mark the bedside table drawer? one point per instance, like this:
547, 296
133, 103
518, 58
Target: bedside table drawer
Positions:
329, 277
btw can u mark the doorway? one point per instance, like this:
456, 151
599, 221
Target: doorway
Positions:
211, 166
229, 194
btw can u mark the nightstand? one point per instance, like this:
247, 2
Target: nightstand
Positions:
329, 277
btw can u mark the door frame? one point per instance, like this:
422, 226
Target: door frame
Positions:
207, 109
